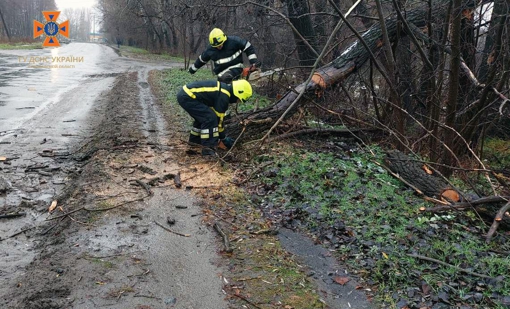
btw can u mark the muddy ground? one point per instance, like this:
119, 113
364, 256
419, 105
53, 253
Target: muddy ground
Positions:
135, 226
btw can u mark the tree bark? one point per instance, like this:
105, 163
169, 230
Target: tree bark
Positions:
299, 16
5, 25
451, 107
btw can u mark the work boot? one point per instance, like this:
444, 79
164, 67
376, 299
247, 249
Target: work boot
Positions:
208, 152
191, 152
193, 148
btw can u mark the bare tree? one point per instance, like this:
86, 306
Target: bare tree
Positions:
4, 25
18, 15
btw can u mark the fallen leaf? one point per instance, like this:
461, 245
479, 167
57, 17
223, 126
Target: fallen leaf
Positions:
385, 255
52, 206
426, 289
341, 280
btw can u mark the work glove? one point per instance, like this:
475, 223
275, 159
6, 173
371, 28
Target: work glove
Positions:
191, 71
226, 143
257, 65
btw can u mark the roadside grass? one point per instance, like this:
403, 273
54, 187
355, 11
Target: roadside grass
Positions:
135, 52
374, 224
102, 263
173, 79
344, 198
259, 272
21, 45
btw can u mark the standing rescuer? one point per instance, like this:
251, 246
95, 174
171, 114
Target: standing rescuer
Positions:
226, 52
207, 102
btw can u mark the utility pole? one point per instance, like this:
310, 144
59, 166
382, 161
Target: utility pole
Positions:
93, 27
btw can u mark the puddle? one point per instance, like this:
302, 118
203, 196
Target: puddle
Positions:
103, 75
324, 269
154, 126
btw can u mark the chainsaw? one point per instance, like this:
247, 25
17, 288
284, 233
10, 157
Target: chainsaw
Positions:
247, 71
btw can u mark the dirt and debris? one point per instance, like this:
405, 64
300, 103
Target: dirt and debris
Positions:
106, 243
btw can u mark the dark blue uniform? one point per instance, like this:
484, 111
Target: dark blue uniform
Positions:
207, 102
227, 61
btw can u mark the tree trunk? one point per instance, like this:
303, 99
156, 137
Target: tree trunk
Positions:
451, 107
499, 15
299, 16
416, 174
465, 124
5, 25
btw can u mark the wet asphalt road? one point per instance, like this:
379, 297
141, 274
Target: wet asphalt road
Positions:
47, 98
33, 81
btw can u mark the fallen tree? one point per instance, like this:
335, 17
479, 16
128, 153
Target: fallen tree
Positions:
428, 183
351, 59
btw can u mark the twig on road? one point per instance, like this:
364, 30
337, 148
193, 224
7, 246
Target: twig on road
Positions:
145, 186
177, 180
16, 234
247, 300
226, 242
116, 206
12, 215
169, 230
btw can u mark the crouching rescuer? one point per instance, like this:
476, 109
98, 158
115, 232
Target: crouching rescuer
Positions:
207, 102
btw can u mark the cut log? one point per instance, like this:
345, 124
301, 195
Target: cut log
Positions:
423, 179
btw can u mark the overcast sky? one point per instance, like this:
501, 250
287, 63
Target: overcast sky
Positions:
75, 4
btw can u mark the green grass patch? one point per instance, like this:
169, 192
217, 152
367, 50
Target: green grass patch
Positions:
102, 263
173, 79
374, 222
498, 151
21, 45
135, 52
